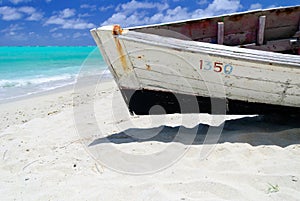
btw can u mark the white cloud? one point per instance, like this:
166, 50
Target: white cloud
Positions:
218, 7
66, 13
67, 19
33, 14
272, 6
78, 35
19, 1
175, 14
14, 32
134, 5
55, 20
105, 8
35, 17
77, 24
138, 13
53, 30
27, 12
27, 9
255, 6
84, 15
88, 6
12, 29
9, 13
57, 35
202, 2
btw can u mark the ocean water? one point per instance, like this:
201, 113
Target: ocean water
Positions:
29, 70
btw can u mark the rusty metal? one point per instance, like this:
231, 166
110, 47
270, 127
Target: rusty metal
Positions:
122, 55
117, 30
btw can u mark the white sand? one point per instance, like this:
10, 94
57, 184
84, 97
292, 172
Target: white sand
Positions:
43, 156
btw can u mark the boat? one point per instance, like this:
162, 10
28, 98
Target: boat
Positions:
241, 63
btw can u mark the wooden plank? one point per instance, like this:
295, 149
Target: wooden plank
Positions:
237, 94
273, 46
261, 30
250, 36
270, 73
243, 24
234, 83
212, 49
276, 33
180, 63
220, 33
189, 67
172, 71
291, 100
297, 35
160, 63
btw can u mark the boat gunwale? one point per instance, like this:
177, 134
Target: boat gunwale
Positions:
179, 22
213, 49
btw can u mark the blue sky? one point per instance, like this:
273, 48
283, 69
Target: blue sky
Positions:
67, 22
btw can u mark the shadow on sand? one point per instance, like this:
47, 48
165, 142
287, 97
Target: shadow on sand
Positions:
256, 131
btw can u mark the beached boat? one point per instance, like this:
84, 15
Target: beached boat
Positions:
244, 63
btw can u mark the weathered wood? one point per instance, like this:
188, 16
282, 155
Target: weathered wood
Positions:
220, 33
235, 94
177, 75
273, 46
236, 26
247, 84
277, 33
261, 30
212, 49
149, 59
297, 35
269, 72
192, 69
169, 76
239, 83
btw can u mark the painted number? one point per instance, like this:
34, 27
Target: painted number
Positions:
201, 64
217, 67
228, 69
208, 65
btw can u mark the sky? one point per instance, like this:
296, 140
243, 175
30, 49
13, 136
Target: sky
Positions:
67, 22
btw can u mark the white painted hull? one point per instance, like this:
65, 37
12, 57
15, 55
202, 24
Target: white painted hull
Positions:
142, 61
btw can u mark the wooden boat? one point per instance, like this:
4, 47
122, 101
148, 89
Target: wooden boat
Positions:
244, 63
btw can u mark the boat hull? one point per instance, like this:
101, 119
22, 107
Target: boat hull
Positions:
182, 76
146, 102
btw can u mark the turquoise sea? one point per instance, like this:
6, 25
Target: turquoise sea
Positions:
29, 70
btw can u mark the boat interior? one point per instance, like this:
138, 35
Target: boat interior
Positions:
274, 30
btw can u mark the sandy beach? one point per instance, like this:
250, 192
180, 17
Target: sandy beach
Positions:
81, 144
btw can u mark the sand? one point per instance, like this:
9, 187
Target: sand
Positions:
83, 145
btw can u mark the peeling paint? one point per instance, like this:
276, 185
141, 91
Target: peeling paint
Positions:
148, 67
258, 79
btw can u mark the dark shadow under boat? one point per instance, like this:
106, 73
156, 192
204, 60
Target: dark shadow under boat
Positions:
275, 130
